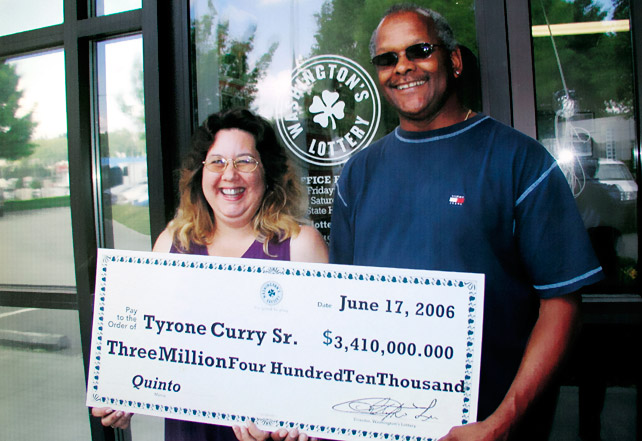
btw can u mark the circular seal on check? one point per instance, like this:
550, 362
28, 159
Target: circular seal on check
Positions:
271, 293
332, 111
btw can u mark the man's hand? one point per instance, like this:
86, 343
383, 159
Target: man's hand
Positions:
474, 431
549, 341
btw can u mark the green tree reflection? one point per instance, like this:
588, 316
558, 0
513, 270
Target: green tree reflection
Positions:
225, 76
15, 131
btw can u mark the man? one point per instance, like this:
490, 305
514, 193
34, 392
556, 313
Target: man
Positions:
452, 190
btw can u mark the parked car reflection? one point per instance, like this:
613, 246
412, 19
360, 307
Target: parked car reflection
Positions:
136, 194
609, 195
616, 175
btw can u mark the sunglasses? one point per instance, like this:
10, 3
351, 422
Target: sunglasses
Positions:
419, 51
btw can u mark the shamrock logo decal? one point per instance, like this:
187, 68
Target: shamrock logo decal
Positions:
271, 293
328, 108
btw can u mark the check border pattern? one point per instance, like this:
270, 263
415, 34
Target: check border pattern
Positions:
266, 267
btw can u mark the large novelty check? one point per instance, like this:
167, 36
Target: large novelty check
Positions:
340, 352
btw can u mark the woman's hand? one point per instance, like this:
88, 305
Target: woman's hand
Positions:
109, 417
253, 433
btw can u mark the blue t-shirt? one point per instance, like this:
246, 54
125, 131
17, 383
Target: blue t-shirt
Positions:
478, 197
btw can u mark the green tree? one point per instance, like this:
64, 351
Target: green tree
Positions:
134, 105
15, 132
224, 75
52, 150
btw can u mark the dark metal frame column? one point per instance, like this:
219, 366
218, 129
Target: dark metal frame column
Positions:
171, 107
79, 138
492, 38
520, 60
636, 28
506, 62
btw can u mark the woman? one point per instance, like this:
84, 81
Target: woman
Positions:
239, 198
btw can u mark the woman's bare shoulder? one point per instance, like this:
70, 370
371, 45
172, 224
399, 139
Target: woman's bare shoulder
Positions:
308, 246
164, 241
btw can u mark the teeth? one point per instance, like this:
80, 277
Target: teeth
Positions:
232, 191
407, 85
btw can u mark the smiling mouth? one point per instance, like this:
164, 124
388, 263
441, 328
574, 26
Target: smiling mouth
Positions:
409, 85
232, 191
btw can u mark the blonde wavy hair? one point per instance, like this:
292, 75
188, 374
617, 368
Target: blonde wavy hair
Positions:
281, 209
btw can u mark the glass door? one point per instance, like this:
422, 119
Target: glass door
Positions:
306, 67
585, 106
586, 118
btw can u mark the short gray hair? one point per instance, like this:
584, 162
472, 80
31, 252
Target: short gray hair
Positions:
442, 27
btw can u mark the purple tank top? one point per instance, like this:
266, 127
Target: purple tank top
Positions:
176, 430
277, 250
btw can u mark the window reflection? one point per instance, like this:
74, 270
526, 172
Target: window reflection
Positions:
43, 380
107, 7
123, 153
35, 222
27, 15
587, 121
261, 55
41, 360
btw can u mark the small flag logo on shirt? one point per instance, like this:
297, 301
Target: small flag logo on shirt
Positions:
457, 200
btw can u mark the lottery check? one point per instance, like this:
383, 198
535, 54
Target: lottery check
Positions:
339, 352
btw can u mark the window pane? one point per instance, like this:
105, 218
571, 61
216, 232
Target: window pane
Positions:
123, 164
279, 58
41, 354
106, 7
35, 227
43, 380
26, 15
123, 152
587, 122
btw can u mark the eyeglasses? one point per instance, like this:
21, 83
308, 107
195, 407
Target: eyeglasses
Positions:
419, 51
218, 164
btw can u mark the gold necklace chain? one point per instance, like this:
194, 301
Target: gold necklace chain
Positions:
468, 114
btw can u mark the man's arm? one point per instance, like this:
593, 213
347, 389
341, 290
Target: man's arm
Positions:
549, 342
